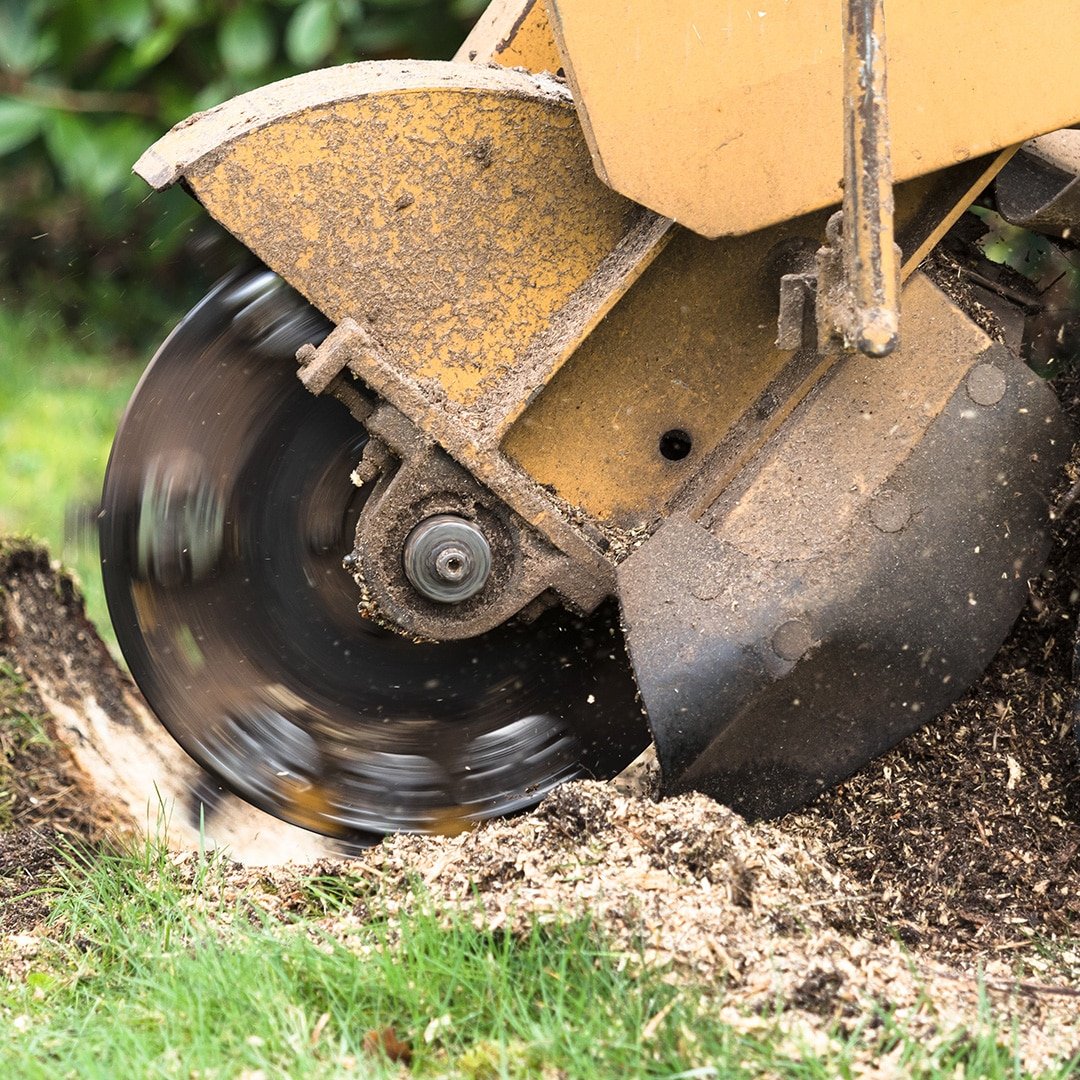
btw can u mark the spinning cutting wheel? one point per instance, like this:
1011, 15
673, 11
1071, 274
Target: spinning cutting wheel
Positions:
228, 509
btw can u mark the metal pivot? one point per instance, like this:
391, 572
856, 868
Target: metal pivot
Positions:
447, 559
857, 278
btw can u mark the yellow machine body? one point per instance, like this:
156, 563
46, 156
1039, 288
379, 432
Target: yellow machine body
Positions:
728, 117
481, 185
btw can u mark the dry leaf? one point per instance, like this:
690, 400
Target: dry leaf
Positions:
385, 1041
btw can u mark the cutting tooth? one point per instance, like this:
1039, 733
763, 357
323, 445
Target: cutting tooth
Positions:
181, 520
142, 599
450, 821
308, 805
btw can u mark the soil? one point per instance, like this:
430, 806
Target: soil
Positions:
954, 858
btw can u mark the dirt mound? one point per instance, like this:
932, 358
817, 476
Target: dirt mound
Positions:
762, 915
953, 858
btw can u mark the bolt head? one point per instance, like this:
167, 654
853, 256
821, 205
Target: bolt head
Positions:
447, 559
792, 639
453, 563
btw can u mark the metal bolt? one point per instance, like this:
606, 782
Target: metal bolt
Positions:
447, 559
986, 384
790, 640
453, 564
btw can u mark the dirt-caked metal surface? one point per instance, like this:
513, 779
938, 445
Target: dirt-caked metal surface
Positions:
450, 212
858, 578
521, 348
449, 209
549, 368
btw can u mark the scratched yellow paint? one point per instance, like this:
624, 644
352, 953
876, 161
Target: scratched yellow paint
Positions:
452, 223
532, 44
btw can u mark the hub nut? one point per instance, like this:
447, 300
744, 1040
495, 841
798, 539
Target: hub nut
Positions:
447, 559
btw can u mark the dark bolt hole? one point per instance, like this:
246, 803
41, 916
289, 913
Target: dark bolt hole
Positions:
675, 444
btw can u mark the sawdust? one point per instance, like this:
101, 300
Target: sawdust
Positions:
941, 883
966, 836
764, 914
761, 917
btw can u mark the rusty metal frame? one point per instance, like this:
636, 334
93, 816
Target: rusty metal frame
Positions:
858, 275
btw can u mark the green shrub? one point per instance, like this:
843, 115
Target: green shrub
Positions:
87, 85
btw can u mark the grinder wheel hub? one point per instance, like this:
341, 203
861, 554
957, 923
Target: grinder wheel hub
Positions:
447, 559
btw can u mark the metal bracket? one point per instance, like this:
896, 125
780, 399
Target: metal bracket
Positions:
835, 600
417, 478
856, 284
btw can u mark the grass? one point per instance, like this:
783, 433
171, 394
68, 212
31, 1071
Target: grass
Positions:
60, 400
157, 968
21, 730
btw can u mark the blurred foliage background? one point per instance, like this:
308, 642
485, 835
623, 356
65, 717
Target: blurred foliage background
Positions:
87, 85
95, 268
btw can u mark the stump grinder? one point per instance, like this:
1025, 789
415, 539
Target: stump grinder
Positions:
589, 393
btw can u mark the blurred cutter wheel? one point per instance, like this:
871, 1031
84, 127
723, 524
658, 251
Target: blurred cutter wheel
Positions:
227, 510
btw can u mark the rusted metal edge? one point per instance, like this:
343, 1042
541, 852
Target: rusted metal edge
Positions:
368, 361
193, 140
1041, 189
494, 29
